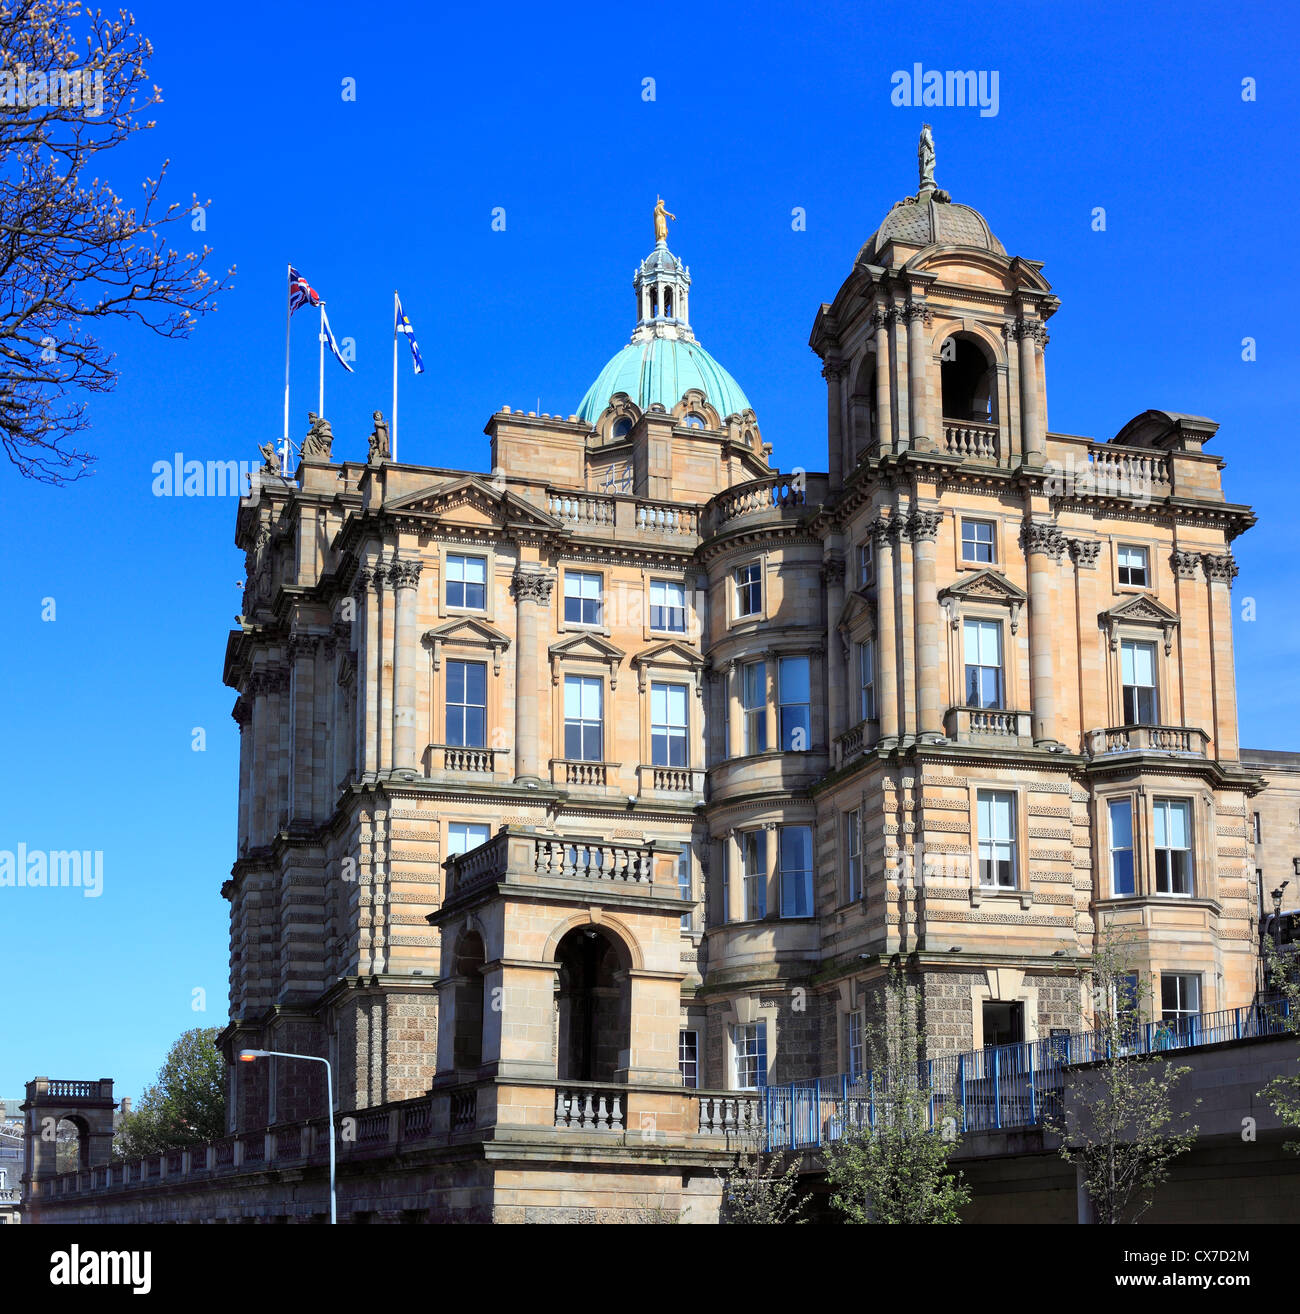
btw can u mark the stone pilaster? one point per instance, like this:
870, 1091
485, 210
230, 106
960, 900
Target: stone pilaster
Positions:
405, 579
922, 529
1220, 570
887, 645
837, 701
918, 317
884, 413
532, 591
302, 663
1033, 442
1044, 546
836, 438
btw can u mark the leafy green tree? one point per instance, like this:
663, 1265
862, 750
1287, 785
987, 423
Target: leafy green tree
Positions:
1122, 1121
759, 1190
187, 1104
898, 1170
1283, 1092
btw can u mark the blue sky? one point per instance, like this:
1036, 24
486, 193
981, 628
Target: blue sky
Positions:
758, 109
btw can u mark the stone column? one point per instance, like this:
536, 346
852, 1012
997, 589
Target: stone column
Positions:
918, 317
884, 414
922, 529
242, 717
1044, 545
405, 579
836, 701
532, 590
836, 439
1220, 571
363, 626
887, 633
1033, 443
898, 371
302, 662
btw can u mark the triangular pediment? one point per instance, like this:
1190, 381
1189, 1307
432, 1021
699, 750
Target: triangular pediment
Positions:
1141, 609
591, 647
469, 500
669, 653
985, 586
857, 606
471, 630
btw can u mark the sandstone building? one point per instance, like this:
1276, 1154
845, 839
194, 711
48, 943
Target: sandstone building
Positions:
626, 766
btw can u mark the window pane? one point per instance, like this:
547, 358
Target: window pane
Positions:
1121, 824
794, 679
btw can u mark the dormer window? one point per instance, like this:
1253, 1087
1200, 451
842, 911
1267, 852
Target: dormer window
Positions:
621, 428
693, 421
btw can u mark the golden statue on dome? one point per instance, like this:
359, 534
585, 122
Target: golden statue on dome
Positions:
661, 220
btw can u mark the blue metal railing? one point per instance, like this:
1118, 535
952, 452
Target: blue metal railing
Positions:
999, 1088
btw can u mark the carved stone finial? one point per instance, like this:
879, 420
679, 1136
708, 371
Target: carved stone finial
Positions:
380, 445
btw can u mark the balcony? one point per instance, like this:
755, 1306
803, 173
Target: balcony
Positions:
971, 440
463, 760
1176, 740
575, 774
773, 499
516, 856
606, 514
989, 727
684, 782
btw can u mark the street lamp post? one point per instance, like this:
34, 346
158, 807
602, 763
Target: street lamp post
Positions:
249, 1055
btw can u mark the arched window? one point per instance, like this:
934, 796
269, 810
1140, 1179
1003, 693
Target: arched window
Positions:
622, 427
593, 1002
693, 421
467, 1044
967, 376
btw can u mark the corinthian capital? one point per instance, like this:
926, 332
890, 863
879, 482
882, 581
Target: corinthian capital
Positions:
1085, 551
1185, 563
915, 310
833, 571
1028, 328
534, 585
1219, 568
923, 526
405, 574
1039, 536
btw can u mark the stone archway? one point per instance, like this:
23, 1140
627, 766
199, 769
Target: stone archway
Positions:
593, 1005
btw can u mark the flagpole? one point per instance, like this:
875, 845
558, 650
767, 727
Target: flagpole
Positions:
288, 313
321, 409
394, 443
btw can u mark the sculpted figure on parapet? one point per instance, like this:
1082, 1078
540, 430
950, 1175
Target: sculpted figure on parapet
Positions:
320, 438
380, 445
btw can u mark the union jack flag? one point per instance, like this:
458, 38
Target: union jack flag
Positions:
301, 292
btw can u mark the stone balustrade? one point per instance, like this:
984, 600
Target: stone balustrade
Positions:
1185, 741
478, 761
1014, 729
971, 440
590, 1108
683, 1117
774, 497
603, 513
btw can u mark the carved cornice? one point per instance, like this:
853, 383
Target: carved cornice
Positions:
532, 585
1219, 568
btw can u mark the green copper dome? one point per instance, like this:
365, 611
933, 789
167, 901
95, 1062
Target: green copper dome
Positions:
663, 361
663, 370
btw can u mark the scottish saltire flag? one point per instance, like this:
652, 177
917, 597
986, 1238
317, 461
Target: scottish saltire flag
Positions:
301, 292
329, 341
403, 325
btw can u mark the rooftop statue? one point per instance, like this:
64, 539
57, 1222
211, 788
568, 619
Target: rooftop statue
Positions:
661, 220
380, 446
320, 438
271, 457
925, 158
